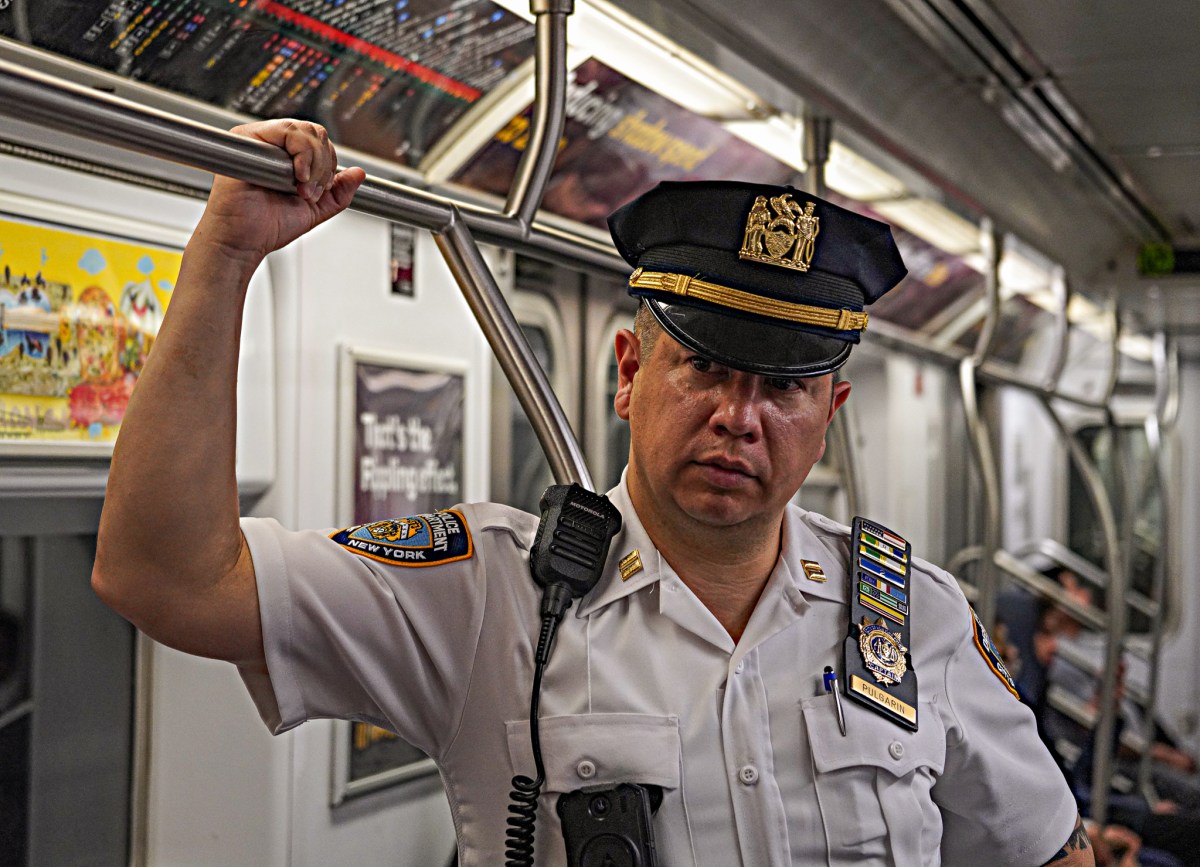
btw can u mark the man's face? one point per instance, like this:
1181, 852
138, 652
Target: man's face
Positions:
716, 447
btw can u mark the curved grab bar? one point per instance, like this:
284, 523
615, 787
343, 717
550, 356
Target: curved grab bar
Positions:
1113, 315
549, 109
1094, 485
985, 462
818, 133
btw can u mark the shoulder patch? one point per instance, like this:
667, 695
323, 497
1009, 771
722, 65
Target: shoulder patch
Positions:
420, 540
991, 655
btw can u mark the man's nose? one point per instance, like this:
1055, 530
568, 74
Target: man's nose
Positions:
738, 410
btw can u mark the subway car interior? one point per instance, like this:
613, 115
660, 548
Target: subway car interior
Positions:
1021, 402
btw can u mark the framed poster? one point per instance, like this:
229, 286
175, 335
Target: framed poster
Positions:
400, 445
79, 312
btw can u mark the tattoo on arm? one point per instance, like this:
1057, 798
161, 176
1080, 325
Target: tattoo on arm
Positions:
1078, 841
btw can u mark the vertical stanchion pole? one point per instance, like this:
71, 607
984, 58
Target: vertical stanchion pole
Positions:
818, 133
978, 431
1158, 427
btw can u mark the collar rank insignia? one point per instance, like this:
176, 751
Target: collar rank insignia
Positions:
780, 232
630, 564
813, 571
879, 673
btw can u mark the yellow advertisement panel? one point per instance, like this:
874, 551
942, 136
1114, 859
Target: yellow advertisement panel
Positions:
78, 314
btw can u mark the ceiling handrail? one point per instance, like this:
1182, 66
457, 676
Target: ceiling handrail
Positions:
112, 120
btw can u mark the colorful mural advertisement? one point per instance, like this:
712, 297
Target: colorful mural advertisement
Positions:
78, 315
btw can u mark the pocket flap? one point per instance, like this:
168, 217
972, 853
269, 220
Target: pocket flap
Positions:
600, 749
871, 739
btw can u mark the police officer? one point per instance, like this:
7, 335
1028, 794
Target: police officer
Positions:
696, 666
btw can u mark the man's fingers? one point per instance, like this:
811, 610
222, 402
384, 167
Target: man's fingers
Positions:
313, 158
314, 161
342, 188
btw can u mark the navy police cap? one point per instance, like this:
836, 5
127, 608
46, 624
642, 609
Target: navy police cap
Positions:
762, 278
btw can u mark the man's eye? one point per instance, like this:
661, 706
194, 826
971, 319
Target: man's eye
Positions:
700, 363
785, 383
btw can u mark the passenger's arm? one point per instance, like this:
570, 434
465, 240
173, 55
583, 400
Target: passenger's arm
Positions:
170, 556
1076, 852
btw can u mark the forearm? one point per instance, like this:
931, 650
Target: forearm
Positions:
169, 531
1076, 851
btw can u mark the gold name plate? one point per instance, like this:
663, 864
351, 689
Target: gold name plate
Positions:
883, 698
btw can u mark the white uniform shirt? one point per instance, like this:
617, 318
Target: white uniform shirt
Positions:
644, 685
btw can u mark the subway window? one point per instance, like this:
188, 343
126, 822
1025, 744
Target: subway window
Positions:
520, 471
1124, 460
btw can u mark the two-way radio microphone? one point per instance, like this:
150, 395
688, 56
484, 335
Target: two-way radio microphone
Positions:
566, 560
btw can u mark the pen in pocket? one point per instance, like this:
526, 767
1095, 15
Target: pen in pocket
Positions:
831, 685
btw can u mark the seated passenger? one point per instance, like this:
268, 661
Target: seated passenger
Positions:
1169, 835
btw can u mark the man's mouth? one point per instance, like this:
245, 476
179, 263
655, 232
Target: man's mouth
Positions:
731, 467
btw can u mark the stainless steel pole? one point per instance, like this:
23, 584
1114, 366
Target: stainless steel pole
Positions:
513, 352
818, 134
549, 109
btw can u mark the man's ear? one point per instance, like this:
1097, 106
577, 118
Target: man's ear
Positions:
841, 391
628, 349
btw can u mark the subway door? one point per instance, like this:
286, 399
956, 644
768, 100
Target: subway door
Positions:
66, 680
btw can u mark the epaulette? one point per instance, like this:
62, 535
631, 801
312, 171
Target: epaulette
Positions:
878, 665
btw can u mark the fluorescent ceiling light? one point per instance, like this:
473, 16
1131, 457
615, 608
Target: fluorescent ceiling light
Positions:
858, 178
1020, 275
780, 135
621, 42
934, 223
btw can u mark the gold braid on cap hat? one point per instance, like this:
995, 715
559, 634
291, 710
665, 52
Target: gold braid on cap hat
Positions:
748, 302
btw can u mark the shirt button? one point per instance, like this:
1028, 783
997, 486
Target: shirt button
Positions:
738, 670
748, 775
896, 749
586, 769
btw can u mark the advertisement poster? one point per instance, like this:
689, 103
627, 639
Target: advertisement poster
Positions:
620, 140
387, 78
408, 440
404, 438
78, 315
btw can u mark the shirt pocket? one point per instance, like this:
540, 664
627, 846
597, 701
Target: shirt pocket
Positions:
874, 783
600, 749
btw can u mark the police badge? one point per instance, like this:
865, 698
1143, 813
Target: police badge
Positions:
882, 652
780, 232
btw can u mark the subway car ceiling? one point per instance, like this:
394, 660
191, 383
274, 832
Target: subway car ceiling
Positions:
1076, 142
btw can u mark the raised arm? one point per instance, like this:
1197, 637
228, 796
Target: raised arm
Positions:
170, 555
